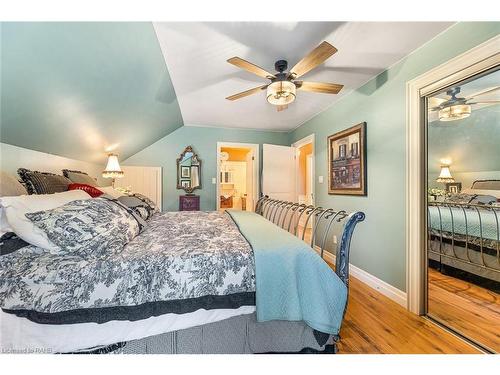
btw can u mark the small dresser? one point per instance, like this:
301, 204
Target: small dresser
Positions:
189, 202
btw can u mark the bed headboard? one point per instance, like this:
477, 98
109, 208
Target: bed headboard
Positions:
486, 185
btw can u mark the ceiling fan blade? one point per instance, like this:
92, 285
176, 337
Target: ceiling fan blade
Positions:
487, 91
322, 87
248, 66
281, 107
485, 102
246, 93
313, 59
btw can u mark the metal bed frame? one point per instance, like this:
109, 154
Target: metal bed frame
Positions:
287, 215
447, 244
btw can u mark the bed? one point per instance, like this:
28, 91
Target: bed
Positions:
464, 234
190, 282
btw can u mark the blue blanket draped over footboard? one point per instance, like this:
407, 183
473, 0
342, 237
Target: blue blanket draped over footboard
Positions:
292, 281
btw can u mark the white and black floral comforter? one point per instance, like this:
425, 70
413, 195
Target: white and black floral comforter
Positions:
181, 262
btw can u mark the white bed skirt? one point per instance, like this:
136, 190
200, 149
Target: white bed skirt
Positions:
20, 335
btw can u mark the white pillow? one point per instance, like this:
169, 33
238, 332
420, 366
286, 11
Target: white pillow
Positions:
493, 193
111, 191
16, 207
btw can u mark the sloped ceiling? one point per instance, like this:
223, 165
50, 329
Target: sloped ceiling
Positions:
79, 89
196, 55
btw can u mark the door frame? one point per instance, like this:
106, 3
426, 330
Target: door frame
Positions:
475, 61
256, 165
302, 142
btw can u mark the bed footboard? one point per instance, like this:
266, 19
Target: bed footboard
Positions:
327, 223
465, 237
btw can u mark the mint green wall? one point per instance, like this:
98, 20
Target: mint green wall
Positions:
204, 141
72, 89
472, 145
379, 243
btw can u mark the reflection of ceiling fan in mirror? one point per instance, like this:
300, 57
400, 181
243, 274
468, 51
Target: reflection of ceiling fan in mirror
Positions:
457, 108
282, 89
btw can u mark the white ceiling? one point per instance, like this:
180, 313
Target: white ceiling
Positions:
196, 55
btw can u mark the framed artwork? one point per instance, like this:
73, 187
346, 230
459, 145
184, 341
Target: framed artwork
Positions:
347, 161
185, 171
454, 187
186, 183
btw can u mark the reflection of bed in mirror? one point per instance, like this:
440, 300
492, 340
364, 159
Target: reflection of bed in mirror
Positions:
464, 234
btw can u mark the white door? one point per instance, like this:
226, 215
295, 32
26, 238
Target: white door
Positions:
309, 179
278, 172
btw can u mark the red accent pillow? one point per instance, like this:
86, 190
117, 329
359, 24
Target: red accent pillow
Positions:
90, 190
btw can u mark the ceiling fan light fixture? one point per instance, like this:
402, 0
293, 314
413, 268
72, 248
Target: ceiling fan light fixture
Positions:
455, 112
281, 92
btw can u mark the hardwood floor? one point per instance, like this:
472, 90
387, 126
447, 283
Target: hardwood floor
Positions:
468, 308
376, 324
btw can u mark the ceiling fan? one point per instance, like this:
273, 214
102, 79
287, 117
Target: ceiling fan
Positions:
457, 108
282, 89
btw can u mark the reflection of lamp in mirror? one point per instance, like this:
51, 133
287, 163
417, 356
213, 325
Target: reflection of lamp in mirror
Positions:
445, 175
112, 169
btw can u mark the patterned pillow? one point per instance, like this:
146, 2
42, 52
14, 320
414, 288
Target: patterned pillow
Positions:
92, 228
141, 205
79, 177
43, 182
460, 198
90, 190
483, 199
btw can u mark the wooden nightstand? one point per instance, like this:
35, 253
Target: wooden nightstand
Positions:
189, 202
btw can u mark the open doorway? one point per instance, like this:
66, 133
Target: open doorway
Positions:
237, 176
305, 179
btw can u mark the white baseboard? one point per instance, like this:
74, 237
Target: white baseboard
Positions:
381, 286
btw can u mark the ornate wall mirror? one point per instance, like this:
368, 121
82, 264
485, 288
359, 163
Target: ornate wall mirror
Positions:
188, 171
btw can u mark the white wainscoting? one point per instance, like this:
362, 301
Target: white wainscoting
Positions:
143, 180
381, 286
14, 157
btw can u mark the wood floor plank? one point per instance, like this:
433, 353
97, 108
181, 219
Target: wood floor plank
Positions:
376, 324
467, 308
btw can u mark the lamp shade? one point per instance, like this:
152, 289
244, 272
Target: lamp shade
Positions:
445, 175
281, 92
112, 169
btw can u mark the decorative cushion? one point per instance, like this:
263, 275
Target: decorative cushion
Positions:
141, 205
16, 208
90, 190
10, 186
43, 182
79, 177
483, 199
91, 228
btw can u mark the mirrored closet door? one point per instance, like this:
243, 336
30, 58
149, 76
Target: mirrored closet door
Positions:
463, 209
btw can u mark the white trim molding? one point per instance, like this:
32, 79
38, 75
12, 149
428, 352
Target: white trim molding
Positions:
475, 61
374, 282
